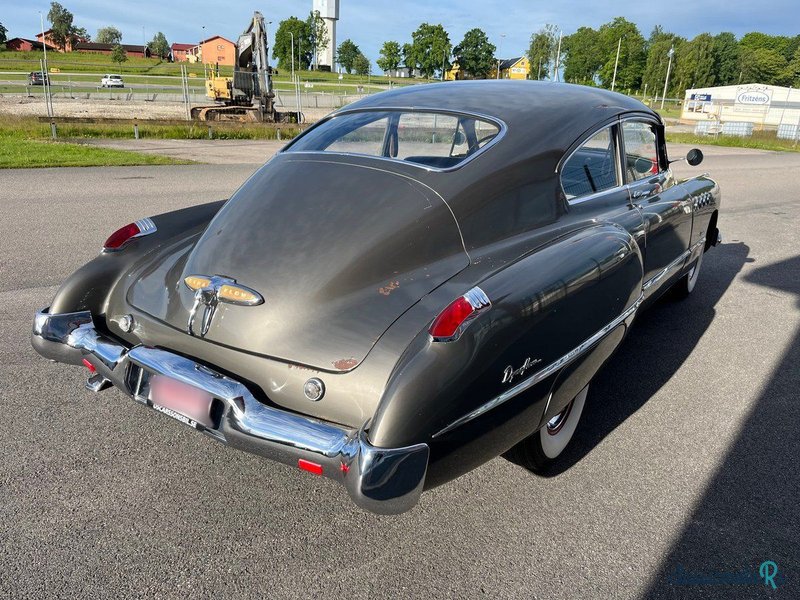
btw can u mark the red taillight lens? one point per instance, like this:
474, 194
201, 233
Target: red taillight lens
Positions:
122, 235
451, 318
447, 325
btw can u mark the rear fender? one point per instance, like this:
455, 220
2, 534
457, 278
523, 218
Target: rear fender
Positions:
89, 287
476, 397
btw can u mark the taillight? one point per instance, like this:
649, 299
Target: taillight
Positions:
130, 231
452, 321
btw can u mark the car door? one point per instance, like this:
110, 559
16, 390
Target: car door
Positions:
593, 184
665, 206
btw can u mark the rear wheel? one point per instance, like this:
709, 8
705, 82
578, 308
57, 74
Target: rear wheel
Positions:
541, 450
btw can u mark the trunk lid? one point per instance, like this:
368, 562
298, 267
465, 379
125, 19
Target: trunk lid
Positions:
338, 251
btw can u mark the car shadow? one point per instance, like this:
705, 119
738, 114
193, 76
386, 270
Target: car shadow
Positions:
620, 389
749, 512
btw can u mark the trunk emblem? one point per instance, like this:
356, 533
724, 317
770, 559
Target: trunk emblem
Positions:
210, 291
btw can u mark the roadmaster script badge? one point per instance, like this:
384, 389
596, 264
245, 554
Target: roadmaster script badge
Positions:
210, 291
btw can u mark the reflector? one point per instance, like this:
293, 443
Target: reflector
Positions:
309, 466
118, 239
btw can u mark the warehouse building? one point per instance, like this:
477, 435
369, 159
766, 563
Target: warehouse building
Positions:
761, 106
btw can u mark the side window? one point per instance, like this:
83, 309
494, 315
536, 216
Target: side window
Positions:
366, 138
592, 167
641, 151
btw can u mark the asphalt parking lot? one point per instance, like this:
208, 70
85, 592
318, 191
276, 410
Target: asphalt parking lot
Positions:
685, 463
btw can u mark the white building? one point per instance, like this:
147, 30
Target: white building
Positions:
329, 11
761, 105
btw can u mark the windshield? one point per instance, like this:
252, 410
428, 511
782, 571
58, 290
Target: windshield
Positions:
431, 139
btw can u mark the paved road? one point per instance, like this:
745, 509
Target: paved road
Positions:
686, 460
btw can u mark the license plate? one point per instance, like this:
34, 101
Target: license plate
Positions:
186, 403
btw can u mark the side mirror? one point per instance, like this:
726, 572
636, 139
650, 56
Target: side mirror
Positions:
459, 138
694, 157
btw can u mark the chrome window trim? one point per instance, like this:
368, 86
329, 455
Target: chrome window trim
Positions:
502, 129
545, 372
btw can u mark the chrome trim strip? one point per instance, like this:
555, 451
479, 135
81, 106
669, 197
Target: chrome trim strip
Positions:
545, 372
672, 266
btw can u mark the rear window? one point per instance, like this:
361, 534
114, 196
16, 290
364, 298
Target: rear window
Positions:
431, 139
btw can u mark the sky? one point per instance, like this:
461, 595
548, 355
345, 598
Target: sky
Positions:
369, 23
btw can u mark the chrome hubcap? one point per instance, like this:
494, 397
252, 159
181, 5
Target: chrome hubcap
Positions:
555, 424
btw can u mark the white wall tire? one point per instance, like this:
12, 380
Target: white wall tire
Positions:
557, 433
687, 283
541, 451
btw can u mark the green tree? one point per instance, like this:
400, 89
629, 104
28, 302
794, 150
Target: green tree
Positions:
791, 74
63, 30
542, 50
159, 46
108, 35
632, 55
763, 65
282, 48
695, 62
756, 40
361, 65
655, 70
118, 54
581, 58
726, 58
346, 54
3, 34
475, 54
319, 34
430, 49
391, 56
408, 57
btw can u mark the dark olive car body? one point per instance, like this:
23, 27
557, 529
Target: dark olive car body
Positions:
303, 306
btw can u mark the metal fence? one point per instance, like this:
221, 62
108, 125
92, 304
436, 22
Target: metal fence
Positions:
737, 128
788, 132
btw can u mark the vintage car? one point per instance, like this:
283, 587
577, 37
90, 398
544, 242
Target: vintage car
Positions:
420, 282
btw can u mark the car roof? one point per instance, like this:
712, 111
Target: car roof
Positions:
530, 107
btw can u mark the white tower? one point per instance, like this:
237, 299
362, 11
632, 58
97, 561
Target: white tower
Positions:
329, 11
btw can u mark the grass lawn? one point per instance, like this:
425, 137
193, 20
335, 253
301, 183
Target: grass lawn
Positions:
760, 140
17, 152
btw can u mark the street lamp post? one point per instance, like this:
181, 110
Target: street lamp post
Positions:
666, 80
558, 55
616, 62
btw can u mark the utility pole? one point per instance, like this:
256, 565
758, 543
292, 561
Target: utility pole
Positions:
539, 72
616, 62
666, 80
499, 60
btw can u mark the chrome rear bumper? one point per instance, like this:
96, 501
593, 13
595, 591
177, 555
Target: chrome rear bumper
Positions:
381, 480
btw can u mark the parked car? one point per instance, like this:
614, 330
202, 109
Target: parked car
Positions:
110, 81
420, 282
38, 78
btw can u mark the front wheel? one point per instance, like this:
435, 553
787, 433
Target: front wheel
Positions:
541, 450
685, 284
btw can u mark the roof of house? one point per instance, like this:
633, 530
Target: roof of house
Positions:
177, 46
97, 46
34, 43
509, 62
216, 37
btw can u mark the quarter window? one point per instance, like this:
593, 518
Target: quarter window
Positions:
641, 151
592, 167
